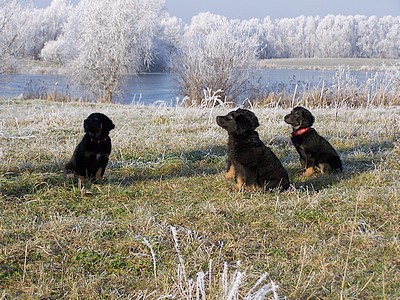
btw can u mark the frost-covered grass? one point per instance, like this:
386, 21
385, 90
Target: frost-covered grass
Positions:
165, 223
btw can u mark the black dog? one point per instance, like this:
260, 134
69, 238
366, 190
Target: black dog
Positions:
250, 162
316, 154
90, 157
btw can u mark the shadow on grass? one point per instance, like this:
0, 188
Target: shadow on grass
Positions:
17, 184
31, 178
207, 161
362, 159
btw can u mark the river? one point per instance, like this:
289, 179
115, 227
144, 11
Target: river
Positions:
149, 88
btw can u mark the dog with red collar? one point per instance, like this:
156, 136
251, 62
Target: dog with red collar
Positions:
90, 157
316, 154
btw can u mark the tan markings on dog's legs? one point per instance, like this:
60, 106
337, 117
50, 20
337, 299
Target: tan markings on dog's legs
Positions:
231, 173
239, 183
98, 174
251, 187
325, 168
308, 172
303, 162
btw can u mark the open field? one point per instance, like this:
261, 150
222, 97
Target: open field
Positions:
165, 222
330, 63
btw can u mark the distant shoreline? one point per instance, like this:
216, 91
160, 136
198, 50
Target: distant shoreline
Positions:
368, 64
329, 63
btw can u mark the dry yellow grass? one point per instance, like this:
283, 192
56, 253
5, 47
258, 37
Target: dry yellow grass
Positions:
165, 206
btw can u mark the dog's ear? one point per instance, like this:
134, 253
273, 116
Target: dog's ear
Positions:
254, 121
308, 118
85, 124
107, 123
246, 123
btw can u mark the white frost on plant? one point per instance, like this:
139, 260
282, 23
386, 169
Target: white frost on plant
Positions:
230, 285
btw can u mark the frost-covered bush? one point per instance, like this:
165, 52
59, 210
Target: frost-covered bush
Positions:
216, 55
54, 51
111, 39
166, 41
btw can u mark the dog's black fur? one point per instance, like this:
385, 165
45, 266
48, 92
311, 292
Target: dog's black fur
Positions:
316, 154
250, 162
90, 157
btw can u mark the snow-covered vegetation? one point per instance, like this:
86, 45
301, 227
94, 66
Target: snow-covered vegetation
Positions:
218, 55
111, 39
97, 42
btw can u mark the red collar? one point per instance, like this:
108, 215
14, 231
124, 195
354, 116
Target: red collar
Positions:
301, 131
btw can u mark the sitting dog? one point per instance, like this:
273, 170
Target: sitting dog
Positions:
90, 157
316, 154
250, 162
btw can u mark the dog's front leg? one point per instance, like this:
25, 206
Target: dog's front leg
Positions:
99, 174
240, 182
230, 172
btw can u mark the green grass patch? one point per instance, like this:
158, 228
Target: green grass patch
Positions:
165, 206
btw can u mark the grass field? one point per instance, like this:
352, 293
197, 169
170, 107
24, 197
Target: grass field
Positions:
166, 224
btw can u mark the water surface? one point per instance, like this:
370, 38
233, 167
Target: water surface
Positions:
149, 88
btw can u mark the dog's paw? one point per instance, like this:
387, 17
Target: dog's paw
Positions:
69, 175
308, 172
229, 176
231, 173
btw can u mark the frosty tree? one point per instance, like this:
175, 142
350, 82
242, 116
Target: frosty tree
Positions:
11, 31
167, 40
216, 55
112, 38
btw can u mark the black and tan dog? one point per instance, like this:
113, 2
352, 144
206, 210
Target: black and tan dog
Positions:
316, 154
250, 162
90, 157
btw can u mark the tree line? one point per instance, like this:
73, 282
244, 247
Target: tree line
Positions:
97, 42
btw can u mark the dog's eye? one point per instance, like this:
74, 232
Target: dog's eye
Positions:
230, 117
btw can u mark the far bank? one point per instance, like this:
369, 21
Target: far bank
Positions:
377, 64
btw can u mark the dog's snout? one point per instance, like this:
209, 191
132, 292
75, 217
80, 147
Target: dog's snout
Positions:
287, 118
220, 120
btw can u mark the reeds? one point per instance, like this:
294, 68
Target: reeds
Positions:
379, 89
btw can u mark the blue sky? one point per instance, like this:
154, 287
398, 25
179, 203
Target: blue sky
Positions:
246, 9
